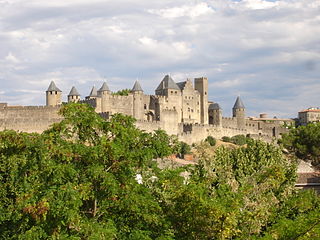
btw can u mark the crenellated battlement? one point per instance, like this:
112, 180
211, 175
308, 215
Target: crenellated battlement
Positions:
181, 109
118, 97
26, 108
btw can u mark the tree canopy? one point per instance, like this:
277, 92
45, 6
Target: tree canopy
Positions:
78, 180
304, 142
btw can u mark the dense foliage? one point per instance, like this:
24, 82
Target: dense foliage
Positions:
86, 178
304, 141
184, 148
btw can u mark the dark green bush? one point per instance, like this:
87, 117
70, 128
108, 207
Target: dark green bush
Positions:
211, 140
226, 139
239, 140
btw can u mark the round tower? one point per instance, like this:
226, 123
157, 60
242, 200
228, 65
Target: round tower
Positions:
138, 110
215, 114
104, 93
74, 95
53, 95
93, 94
238, 111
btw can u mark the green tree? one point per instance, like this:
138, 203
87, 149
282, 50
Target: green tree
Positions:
304, 142
233, 194
77, 180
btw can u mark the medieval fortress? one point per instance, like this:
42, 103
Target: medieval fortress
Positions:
179, 108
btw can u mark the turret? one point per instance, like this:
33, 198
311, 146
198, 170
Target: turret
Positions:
74, 95
104, 90
168, 87
201, 85
138, 110
238, 111
104, 93
172, 93
93, 94
53, 95
136, 88
215, 114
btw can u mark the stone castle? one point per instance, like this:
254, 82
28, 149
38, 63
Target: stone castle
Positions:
179, 108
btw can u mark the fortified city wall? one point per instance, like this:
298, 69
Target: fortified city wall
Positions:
39, 118
28, 118
178, 108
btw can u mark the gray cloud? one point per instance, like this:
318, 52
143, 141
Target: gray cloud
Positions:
266, 51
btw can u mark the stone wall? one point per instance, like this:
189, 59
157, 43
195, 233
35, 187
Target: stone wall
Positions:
229, 122
39, 118
28, 118
148, 126
198, 132
121, 104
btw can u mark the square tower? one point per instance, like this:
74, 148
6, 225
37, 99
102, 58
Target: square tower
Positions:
201, 85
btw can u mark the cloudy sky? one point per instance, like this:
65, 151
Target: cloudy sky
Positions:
268, 52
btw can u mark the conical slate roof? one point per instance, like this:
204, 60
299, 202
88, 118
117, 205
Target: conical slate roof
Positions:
94, 92
214, 106
52, 87
167, 83
238, 104
74, 92
136, 87
104, 87
181, 85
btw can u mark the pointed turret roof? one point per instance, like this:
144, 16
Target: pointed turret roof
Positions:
52, 87
136, 87
167, 83
73, 92
94, 92
181, 85
104, 87
238, 104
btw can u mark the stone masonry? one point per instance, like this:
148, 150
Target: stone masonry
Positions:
179, 108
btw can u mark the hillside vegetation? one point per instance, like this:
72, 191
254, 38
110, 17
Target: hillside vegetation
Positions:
86, 178
304, 142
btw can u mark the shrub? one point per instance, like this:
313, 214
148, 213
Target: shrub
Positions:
226, 139
184, 148
239, 140
211, 140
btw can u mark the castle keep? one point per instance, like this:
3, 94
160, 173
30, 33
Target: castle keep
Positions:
179, 108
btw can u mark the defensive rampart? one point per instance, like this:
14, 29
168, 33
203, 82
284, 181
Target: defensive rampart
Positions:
39, 118
28, 118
